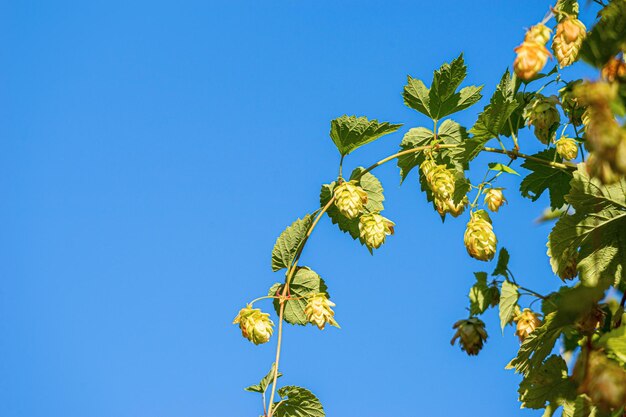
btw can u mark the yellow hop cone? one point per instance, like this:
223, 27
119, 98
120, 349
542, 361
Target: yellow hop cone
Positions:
527, 322
350, 199
615, 69
448, 207
601, 169
472, 335
318, 311
494, 199
441, 182
602, 379
532, 54
427, 166
569, 36
255, 325
542, 113
567, 148
373, 229
539, 33
479, 239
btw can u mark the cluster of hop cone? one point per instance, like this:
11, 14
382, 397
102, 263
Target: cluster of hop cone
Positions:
587, 104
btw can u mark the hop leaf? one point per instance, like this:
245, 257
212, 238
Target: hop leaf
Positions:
255, 325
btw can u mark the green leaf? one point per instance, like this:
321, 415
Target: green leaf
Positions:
493, 166
503, 264
351, 132
597, 230
509, 294
580, 407
537, 346
549, 383
375, 198
304, 282
442, 99
288, 242
452, 133
569, 7
606, 38
614, 344
265, 382
494, 118
415, 137
544, 177
298, 402
481, 295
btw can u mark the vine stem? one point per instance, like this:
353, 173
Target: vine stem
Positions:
512, 154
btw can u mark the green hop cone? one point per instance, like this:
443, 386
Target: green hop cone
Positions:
539, 33
255, 325
570, 269
601, 169
494, 199
602, 379
572, 108
527, 321
318, 311
567, 148
472, 335
480, 240
441, 182
373, 229
542, 113
427, 166
350, 199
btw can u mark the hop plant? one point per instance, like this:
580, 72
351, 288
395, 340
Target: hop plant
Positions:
374, 228
567, 148
569, 36
527, 322
532, 54
614, 70
591, 321
427, 166
542, 113
350, 199
601, 170
441, 182
480, 240
494, 199
318, 311
603, 380
255, 325
472, 335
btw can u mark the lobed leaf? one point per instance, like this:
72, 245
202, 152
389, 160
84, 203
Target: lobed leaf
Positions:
549, 383
298, 402
351, 132
544, 177
304, 282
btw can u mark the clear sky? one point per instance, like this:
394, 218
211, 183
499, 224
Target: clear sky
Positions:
152, 151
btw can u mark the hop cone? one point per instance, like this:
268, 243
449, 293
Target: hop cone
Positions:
373, 229
448, 206
532, 54
255, 325
567, 148
318, 311
569, 36
603, 380
590, 322
471, 333
427, 166
539, 33
527, 322
541, 112
480, 241
614, 70
349, 199
494, 199
600, 169
441, 182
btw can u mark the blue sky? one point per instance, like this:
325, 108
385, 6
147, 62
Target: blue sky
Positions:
151, 152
